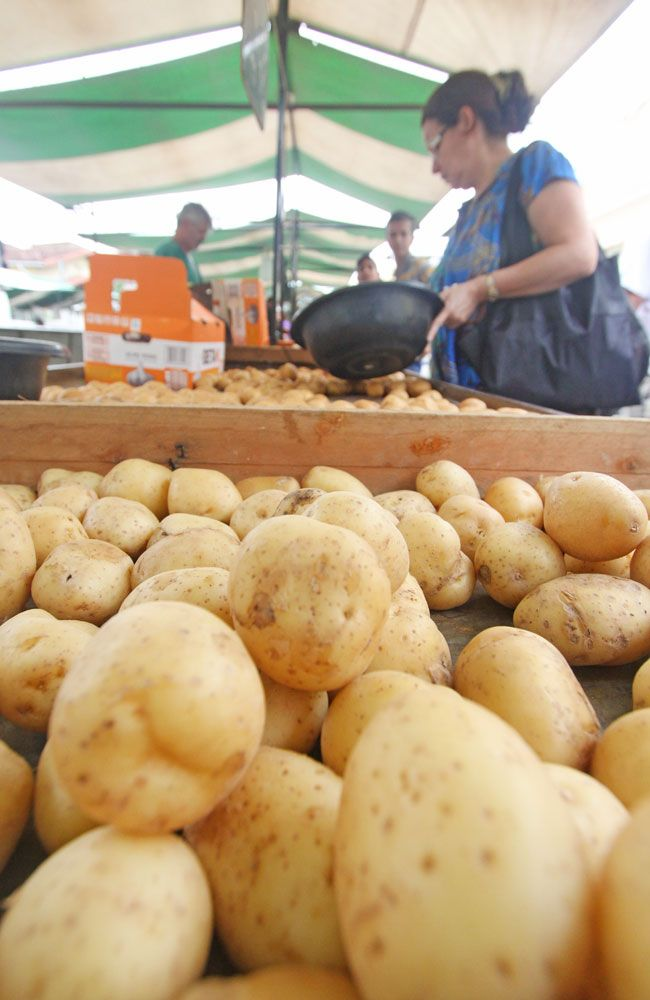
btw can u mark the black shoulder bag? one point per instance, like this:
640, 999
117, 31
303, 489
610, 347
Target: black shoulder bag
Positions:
578, 349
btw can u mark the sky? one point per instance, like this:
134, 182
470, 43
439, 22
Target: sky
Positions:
597, 114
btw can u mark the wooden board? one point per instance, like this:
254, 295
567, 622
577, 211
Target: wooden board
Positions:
384, 449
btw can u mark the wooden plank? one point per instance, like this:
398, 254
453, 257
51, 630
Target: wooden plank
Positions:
240, 355
384, 449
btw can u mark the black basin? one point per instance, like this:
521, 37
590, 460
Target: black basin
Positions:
367, 330
23, 365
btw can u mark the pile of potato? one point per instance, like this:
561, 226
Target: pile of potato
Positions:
287, 387
255, 730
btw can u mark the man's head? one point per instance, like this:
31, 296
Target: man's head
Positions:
193, 225
367, 269
399, 233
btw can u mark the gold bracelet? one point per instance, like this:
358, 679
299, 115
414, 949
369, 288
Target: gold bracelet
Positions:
491, 286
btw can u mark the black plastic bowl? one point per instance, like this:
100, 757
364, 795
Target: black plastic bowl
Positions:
23, 365
367, 330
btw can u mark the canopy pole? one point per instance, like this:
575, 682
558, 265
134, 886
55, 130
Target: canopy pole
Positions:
282, 23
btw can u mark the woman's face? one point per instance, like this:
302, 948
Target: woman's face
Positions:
449, 159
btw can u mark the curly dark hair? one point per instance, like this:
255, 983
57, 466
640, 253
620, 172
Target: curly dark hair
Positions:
501, 101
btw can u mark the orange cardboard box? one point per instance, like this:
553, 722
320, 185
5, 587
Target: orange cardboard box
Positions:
142, 323
244, 301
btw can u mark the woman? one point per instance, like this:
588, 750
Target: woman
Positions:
465, 124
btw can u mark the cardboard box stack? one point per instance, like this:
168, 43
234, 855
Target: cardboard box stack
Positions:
242, 303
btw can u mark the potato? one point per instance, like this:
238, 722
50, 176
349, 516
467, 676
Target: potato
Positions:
411, 643
17, 563
24, 496
291, 982
51, 526
293, 718
190, 549
297, 501
516, 500
444, 479
85, 580
36, 650
590, 618
57, 817
368, 520
643, 495
73, 497
455, 589
610, 567
205, 586
52, 478
127, 524
434, 547
109, 915
255, 508
593, 516
159, 718
328, 479
598, 814
353, 708
640, 563
141, 480
259, 484
16, 785
401, 502
203, 491
7, 502
641, 686
623, 911
471, 519
514, 558
526, 681
448, 822
309, 600
409, 596
176, 524
267, 852
543, 484
621, 759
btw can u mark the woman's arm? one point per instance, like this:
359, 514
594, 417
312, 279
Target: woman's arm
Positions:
557, 216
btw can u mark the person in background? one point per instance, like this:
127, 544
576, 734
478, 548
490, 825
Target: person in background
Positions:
466, 123
367, 269
193, 225
399, 233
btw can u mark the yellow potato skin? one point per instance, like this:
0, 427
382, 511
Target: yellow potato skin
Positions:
308, 599
253, 509
141, 480
267, 852
257, 484
641, 686
591, 618
86, 580
57, 817
293, 718
330, 479
205, 586
289, 982
514, 558
640, 564
17, 563
206, 492
109, 915
516, 500
411, 643
196, 547
127, 524
51, 526
401, 502
158, 719
621, 759
443, 479
449, 821
16, 787
527, 682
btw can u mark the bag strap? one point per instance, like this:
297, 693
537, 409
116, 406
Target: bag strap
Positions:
516, 242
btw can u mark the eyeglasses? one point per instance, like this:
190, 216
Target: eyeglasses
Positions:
434, 145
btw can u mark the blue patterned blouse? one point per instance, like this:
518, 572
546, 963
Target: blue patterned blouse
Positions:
473, 246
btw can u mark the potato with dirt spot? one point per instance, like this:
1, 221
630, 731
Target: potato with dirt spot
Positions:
108, 915
593, 516
176, 524
158, 719
621, 759
16, 786
329, 479
293, 981
514, 558
448, 820
297, 501
527, 682
293, 718
206, 492
196, 547
127, 524
73, 497
17, 563
204, 586
471, 518
368, 520
309, 600
52, 526
401, 502
254, 509
443, 479
57, 817
141, 480
409, 596
36, 651
85, 580
592, 619
434, 548
411, 643
7, 502
24, 496
267, 852
516, 500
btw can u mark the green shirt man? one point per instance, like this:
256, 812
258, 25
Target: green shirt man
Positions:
193, 224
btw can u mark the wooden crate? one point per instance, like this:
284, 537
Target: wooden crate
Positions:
384, 449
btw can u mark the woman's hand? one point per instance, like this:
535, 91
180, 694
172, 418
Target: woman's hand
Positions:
460, 303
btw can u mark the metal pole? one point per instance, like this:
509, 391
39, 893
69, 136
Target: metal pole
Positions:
278, 261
